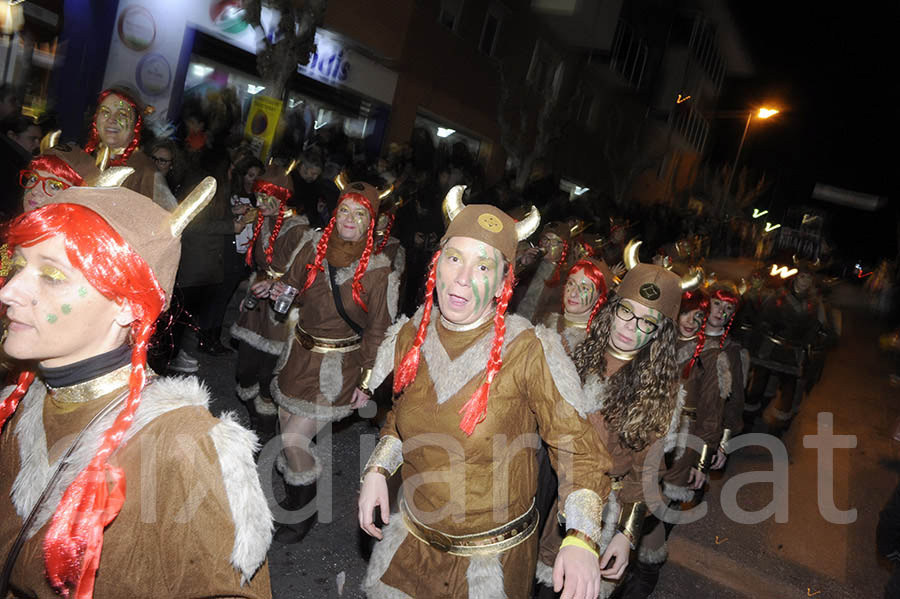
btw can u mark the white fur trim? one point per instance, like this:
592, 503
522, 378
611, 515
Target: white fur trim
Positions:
611, 511
574, 336
331, 375
449, 376
684, 430
584, 512
399, 264
382, 554
653, 556
297, 479
256, 341
674, 432
723, 371
565, 376
264, 407
344, 274
247, 393
544, 574
308, 409
485, 577
160, 397
745, 366
528, 305
252, 517
393, 293
384, 359
595, 390
677, 492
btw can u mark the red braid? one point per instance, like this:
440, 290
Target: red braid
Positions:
475, 409
276, 229
386, 233
256, 230
724, 295
695, 299
9, 405
701, 341
94, 139
553, 281
321, 247
361, 268
409, 365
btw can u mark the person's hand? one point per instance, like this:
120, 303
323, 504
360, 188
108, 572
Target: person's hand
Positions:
374, 492
529, 256
239, 226
697, 479
718, 461
576, 573
620, 549
359, 399
249, 216
277, 289
239, 209
261, 288
619, 270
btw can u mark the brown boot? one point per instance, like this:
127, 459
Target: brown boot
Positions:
297, 498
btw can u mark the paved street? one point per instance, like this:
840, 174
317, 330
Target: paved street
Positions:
714, 557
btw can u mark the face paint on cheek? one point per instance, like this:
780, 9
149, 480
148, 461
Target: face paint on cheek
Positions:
478, 299
66, 309
82, 292
51, 318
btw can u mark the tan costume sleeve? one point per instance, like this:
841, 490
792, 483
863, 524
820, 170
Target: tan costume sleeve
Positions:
709, 401
377, 318
733, 411
287, 247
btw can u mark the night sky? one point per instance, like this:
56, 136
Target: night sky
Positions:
833, 71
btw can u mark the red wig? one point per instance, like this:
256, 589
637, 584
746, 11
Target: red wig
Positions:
553, 281
283, 195
57, 167
596, 277
322, 247
695, 299
94, 139
386, 234
731, 297
74, 539
475, 410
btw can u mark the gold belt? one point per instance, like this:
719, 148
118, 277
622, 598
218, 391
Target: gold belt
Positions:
496, 540
322, 345
617, 483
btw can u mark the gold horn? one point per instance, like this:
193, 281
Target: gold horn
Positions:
103, 156
526, 227
578, 228
341, 180
111, 177
50, 140
630, 255
291, 166
692, 279
742, 287
453, 203
192, 205
386, 191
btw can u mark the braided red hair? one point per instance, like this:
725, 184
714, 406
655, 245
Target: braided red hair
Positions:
74, 539
409, 365
553, 281
386, 234
723, 295
94, 139
322, 247
695, 299
595, 275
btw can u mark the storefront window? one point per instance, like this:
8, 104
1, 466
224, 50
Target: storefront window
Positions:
445, 133
204, 76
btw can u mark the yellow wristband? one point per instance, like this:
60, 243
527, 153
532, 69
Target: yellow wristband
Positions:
578, 543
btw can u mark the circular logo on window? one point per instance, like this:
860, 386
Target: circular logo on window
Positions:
649, 291
153, 75
489, 222
228, 16
136, 28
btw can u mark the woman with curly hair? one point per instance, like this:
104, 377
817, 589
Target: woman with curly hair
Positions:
475, 392
115, 482
627, 363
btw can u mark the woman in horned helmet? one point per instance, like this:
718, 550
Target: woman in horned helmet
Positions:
278, 236
475, 391
347, 298
588, 285
627, 363
542, 293
92, 272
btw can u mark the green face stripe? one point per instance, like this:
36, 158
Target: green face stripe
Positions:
66, 308
51, 318
478, 301
82, 291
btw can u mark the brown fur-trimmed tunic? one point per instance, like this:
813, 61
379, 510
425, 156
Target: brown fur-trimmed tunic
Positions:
467, 475
195, 520
320, 386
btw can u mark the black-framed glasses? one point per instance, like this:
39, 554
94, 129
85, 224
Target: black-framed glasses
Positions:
162, 161
623, 312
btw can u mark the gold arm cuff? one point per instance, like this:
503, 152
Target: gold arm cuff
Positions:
273, 274
705, 458
726, 437
365, 376
387, 455
577, 534
379, 469
631, 521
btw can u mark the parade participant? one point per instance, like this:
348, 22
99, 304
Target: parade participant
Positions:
731, 364
789, 321
117, 124
587, 287
630, 379
383, 241
347, 299
467, 517
279, 234
93, 271
542, 292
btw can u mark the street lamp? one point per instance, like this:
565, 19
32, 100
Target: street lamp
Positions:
762, 113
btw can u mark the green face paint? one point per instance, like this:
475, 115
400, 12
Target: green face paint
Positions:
82, 291
51, 318
66, 308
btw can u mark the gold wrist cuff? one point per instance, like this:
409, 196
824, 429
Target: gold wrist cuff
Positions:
584, 539
705, 459
631, 521
365, 376
274, 275
726, 437
378, 469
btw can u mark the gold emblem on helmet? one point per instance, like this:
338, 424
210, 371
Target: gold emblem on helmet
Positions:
489, 222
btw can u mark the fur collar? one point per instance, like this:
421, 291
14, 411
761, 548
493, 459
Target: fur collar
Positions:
563, 371
595, 391
384, 358
674, 432
346, 273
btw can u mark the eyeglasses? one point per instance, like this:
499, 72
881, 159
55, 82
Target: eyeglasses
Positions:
51, 186
625, 314
162, 161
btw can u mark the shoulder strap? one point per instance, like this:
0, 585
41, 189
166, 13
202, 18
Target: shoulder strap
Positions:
339, 304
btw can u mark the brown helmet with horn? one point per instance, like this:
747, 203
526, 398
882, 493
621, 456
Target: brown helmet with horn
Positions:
655, 286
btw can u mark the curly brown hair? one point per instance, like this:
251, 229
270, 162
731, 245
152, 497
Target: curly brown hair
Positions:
643, 393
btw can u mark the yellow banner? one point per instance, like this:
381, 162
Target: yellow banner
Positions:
262, 121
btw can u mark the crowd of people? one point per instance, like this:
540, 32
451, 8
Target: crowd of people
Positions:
534, 371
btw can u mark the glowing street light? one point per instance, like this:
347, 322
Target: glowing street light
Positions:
762, 113
765, 113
